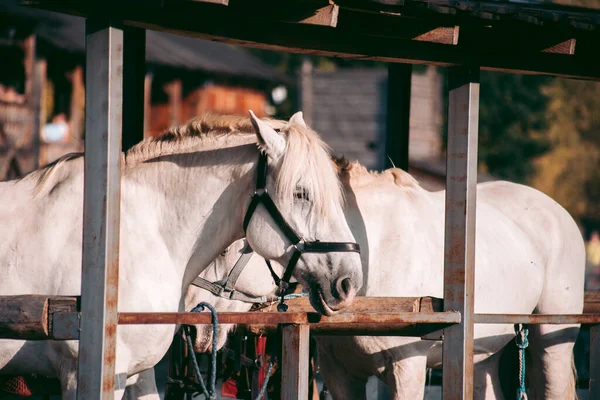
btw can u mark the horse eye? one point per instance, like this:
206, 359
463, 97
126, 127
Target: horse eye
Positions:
301, 194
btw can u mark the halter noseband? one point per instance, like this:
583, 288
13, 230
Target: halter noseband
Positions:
300, 244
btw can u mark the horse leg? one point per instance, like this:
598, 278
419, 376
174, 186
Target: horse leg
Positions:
406, 378
142, 386
341, 385
551, 374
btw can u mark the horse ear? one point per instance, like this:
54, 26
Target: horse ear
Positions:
272, 143
297, 119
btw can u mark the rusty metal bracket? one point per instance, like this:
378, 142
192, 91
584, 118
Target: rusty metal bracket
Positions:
66, 325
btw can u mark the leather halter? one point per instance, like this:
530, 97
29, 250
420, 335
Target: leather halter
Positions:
226, 289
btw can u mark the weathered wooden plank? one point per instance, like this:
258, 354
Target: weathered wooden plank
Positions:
24, 317
368, 304
325, 16
566, 47
295, 362
442, 34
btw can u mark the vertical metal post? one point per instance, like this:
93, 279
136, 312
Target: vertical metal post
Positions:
594, 386
398, 115
134, 72
459, 252
101, 211
295, 362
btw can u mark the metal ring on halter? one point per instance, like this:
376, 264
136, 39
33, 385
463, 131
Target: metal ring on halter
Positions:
300, 246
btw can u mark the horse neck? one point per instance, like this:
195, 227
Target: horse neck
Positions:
197, 202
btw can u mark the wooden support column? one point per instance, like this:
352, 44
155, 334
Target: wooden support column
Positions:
594, 390
134, 71
147, 102
37, 99
101, 211
398, 116
174, 90
295, 362
459, 252
306, 91
77, 104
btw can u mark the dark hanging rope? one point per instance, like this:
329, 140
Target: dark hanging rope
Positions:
211, 392
522, 342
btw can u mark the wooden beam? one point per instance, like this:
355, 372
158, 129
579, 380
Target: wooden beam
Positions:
396, 26
295, 362
524, 54
368, 304
566, 47
337, 42
24, 317
29, 317
325, 16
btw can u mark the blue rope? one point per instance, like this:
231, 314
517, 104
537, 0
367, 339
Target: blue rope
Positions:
263, 389
211, 393
522, 342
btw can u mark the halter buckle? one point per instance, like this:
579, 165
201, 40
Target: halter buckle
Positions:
300, 246
260, 192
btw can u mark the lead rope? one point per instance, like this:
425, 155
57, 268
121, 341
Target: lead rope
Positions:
522, 342
272, 360
211, 393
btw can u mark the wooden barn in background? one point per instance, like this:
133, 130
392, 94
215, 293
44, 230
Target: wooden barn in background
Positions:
42, 91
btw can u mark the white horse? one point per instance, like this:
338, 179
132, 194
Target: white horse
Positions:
529, 259
183, 200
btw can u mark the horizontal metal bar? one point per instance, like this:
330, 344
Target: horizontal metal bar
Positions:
268, 318
535, 319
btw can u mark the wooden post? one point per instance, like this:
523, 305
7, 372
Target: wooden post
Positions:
459, 252
134, 71
594, 390
147, 102
37, 99
295, 362
398, 116
306, 91
77, 104
174, 90
101, 211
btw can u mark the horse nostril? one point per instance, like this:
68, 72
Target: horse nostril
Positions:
344, 287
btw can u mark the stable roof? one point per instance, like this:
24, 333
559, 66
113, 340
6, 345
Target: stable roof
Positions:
521, 37
67, 32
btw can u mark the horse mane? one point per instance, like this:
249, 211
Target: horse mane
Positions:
304, 146
355, 171
51, 174
181, 138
